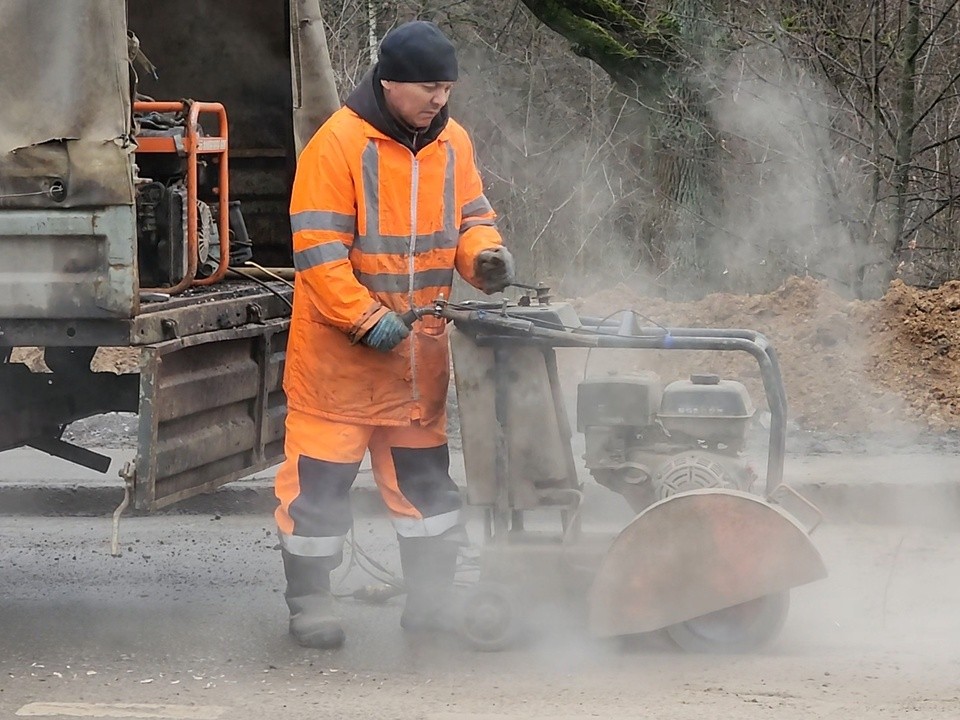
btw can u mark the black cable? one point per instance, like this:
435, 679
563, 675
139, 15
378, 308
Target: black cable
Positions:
586, 362
262, 284
357, 553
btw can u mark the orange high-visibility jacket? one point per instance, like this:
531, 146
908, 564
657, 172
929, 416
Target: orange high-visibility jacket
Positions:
376, 227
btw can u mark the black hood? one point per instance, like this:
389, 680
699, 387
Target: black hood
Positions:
368, 102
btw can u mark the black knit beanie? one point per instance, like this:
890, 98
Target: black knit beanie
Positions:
417, 51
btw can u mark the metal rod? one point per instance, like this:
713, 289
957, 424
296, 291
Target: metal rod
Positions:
71, 453
268, 273
501, 517
566, 432
127, 474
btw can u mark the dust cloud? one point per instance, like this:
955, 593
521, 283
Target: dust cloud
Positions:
793, 188
870, 401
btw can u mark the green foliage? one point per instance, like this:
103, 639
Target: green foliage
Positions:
609, 10
667, 24
792, 23
604, 31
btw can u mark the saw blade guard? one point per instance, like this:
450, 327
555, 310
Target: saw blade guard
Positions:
695, 553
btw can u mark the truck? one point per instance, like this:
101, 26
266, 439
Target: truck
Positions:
147, 153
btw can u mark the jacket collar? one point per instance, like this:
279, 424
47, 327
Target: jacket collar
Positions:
368, 102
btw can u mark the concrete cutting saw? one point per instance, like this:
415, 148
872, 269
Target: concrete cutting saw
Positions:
714, 549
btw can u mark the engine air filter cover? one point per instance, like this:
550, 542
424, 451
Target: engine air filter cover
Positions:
707, 408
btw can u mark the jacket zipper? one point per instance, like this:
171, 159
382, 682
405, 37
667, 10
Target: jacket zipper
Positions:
414, 192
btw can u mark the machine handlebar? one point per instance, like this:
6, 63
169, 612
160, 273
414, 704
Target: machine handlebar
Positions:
492, 326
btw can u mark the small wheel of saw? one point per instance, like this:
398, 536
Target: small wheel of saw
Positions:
740, 628
489, 618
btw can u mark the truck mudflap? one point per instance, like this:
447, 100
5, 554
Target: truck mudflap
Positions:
697, 553
212, 410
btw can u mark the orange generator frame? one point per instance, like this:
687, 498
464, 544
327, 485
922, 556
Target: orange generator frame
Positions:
194, 144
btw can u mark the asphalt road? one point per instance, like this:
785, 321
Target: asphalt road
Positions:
190, 623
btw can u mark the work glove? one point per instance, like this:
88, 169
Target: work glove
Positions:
494, 269
387, 333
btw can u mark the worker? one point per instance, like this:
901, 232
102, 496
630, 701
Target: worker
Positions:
387, 202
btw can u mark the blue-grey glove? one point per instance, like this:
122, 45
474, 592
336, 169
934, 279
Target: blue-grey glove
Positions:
494, 269
387, 333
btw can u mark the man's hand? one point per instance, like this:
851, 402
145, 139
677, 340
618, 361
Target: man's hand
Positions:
494, 269
387, 333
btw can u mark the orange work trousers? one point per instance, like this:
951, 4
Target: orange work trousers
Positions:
411, 466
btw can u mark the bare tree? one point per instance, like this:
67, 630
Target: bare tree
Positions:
730, 141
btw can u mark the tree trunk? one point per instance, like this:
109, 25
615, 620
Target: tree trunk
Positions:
905, 132
876, 154
626, 46
372, 42
315, 96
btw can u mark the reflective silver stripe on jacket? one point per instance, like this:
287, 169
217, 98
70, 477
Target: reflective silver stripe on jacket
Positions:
474, 222
319, 254
371, 193
480, 206
400, 244
450, 198
323, 220
426, 527
373, 242
311, 546
400, 282
473, 214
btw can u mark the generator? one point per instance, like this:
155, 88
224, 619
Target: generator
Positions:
186, 221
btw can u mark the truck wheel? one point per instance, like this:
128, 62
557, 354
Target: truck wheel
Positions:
489, 617
740, 628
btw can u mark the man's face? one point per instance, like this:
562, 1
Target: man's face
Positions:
417, 104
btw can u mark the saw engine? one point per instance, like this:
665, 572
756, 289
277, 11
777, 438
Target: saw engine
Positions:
648, 442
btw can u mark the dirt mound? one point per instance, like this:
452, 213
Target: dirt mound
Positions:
915, 339
848, 366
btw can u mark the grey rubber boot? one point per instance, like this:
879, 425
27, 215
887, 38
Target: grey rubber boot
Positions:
313, 619
429, 565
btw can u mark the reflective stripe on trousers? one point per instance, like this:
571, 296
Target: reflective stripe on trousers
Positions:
410, 467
